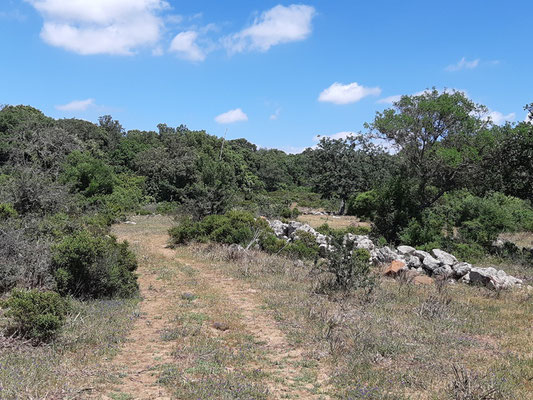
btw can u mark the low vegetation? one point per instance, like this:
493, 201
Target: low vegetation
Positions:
454, 181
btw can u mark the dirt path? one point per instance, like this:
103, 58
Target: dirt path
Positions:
140, 361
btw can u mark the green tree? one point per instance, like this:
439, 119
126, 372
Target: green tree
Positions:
438, 138
341, 167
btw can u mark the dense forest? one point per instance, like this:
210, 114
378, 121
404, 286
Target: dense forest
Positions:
432, 171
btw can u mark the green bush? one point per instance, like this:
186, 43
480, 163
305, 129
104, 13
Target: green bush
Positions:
88, 175
303, 247
467, 224
363, 205
271, 244
238, 227
350, 267
91, 266
36, 315
7, 211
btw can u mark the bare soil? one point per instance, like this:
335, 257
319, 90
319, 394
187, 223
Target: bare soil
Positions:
145, 354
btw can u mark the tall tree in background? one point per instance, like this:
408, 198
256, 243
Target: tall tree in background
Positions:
439, 137
341, 167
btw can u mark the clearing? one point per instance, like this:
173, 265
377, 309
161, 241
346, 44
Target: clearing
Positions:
201, 333
219, 324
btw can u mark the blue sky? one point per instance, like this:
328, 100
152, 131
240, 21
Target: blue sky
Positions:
276, 73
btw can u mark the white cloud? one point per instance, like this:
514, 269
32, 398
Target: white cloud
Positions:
76, 105
463, 63
185, 45
231, 116
390, 99
499, 118
345, 94
100, 26
276, 26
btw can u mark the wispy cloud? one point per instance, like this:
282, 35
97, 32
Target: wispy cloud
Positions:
463, 63
231, 117
276, 26
390, 99
76, 105
339, 93
276, 114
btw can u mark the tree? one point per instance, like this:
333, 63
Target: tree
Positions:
342, 167
439, 137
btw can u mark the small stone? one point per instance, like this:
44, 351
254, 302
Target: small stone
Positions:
423, 280
220, 326
188, 296
395, 268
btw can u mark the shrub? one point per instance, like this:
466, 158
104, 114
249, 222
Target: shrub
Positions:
88, 175
349, 267
271, 244
238, 227
7, 211
90, 266
363, 205
36, 315
304, 246
467, 223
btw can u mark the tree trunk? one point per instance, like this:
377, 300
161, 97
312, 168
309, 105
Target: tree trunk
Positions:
343, 206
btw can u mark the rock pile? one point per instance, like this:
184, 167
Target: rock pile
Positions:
438, 263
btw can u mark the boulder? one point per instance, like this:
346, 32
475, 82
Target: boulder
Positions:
443, 257
492, 279
366, 244
429, 263
294, 227
406, 250
443, 271
384, 255
413, 262
279, 228
461, 269
421, 254
395, 268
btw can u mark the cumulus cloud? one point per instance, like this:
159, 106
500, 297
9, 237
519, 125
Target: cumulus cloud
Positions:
499, 118
276, 26
463, 63
100, 26
346, 94
77, 105
231, 116
184, 44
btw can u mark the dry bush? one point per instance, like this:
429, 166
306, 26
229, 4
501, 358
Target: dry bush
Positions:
467, 385
25, 262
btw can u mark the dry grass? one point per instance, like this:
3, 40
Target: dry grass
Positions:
521, 239
334, 221
72, 365
402, 341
